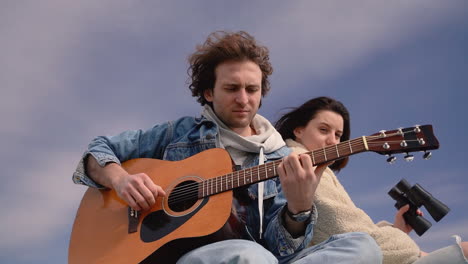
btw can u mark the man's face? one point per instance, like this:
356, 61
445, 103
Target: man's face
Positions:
236, 94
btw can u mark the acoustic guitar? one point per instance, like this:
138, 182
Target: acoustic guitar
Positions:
198, 206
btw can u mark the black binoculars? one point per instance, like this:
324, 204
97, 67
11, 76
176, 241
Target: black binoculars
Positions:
416, 196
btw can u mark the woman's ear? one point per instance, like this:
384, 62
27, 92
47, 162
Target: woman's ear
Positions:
298, 132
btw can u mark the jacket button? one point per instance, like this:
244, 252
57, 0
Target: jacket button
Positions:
209, 136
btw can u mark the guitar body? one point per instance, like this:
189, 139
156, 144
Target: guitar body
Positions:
100, 231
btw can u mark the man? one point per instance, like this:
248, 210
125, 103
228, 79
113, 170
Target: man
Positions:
229, 77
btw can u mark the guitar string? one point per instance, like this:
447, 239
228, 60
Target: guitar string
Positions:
180, 193
370, 141
228, 180
193, 193
190, 191
333, 150
220, 182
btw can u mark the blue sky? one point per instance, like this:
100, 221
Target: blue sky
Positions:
73, 70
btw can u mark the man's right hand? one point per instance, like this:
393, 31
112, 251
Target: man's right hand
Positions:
138, 190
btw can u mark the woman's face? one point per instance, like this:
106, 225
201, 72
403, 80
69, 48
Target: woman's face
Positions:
323, 130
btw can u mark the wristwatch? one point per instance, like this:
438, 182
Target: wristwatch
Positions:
299, 217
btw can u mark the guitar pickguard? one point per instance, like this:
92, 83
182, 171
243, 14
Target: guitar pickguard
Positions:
159, 224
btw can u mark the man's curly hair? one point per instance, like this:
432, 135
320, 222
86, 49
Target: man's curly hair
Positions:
222, 46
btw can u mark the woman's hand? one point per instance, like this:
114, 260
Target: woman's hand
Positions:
400, 222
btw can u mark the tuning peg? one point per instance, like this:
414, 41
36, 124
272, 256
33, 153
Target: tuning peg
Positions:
427, 155
403, 144
409, 157
382, 133
400, 131
391, 159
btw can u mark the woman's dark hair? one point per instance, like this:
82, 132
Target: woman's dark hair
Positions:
299, 117
220, 47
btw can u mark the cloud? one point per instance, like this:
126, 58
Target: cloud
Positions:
44, 43
448, 230
35, 45
41, 202
323, 40
42, 46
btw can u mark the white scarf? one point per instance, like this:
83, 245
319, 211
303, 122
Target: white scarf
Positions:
266, 140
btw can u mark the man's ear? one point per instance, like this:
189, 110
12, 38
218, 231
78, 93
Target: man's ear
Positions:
298, 132
208, 94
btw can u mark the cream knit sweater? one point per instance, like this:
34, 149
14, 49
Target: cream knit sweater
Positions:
337, 214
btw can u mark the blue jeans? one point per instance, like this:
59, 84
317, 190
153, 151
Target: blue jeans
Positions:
344, 248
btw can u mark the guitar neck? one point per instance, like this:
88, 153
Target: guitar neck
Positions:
269, 170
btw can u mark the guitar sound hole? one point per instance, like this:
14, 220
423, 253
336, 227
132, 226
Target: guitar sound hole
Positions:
183, 196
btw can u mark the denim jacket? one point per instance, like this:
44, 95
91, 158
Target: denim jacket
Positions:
185, 137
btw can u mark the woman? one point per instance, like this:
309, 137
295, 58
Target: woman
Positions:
321, 122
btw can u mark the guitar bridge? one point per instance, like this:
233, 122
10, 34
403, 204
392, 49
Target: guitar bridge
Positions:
133, 219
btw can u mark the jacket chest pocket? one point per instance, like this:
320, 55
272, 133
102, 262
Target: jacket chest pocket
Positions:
269, 190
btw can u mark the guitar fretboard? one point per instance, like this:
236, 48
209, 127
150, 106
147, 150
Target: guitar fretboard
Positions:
269, 170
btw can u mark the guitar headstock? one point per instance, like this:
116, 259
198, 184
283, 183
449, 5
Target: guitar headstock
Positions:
403, 140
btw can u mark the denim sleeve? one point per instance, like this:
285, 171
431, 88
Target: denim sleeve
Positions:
277, 238
127, 145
